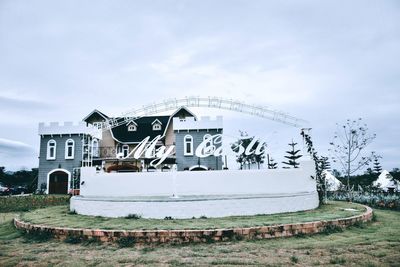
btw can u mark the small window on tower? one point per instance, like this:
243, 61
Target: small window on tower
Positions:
188, 145
69, 149
51, 150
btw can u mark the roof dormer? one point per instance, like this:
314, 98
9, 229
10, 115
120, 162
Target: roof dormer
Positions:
132, 126
157, 125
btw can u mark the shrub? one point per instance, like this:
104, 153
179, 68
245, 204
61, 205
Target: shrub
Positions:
377, 200
337, 260
133, 216
126, 241
300, 235
209, 239
231, 235
359, 224
37, 236
331, 228
374, 217
71, 239
294, 259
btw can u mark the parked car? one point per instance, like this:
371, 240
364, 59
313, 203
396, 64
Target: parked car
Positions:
19, 190
4, 190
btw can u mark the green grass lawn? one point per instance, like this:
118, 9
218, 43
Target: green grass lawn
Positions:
60, 216
373, 244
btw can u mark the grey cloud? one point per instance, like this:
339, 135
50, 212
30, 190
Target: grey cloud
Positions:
13, 148
7, 103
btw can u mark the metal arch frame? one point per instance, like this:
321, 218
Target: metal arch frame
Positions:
206, 102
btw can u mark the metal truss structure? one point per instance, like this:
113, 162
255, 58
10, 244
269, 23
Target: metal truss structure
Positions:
206, 102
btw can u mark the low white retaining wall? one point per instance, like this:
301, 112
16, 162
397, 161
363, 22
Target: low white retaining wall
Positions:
208, 193
229, 182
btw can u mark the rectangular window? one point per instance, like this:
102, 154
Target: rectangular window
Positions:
51, 152
125, 150
188, 148
69, 152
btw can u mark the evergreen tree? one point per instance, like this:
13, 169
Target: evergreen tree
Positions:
272, 164
293, 156
259, 159
377, 168
369, 171
325, 164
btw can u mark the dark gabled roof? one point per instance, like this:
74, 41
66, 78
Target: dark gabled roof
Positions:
144, 129
96, 116
156, 121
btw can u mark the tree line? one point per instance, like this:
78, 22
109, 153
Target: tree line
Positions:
27, 178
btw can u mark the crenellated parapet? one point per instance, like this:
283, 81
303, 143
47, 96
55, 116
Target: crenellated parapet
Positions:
56, 128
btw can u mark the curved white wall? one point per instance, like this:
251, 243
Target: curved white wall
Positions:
198, 183
209, 193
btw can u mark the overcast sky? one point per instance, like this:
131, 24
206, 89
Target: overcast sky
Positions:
323, 61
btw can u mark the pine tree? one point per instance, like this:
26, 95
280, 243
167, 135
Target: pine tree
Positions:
272, 164
292, 157
325, 164
377, 168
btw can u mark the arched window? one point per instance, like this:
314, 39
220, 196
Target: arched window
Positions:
188, 145
95, 148
69, 149
51, 150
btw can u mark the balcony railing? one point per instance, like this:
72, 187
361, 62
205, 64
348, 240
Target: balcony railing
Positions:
105, 152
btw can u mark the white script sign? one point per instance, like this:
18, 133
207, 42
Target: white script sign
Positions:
147, 148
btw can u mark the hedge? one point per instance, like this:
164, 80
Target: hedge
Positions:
31, 202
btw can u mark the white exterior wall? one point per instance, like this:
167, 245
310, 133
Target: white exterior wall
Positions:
208, 193
229, 182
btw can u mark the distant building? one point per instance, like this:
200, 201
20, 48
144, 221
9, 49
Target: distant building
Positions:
65, 148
